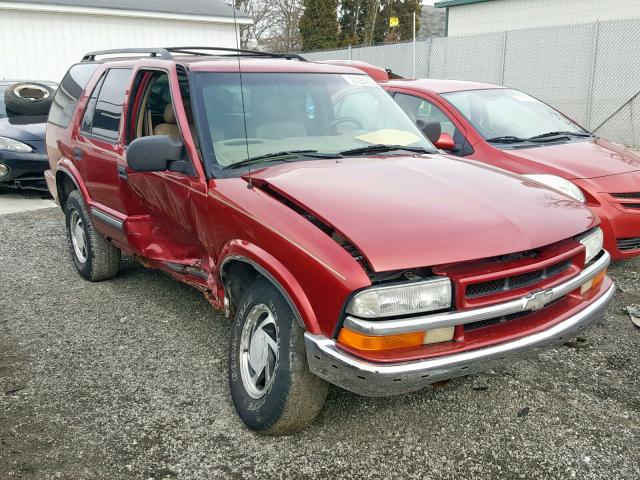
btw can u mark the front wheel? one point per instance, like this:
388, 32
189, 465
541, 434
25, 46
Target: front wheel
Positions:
271, 386
94, 257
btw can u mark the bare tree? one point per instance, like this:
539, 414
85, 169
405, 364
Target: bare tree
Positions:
275, 24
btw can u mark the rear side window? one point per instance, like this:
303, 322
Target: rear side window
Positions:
104, 110
69, 91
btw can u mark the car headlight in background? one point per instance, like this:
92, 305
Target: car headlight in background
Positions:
402, 299
4, 170
14, 145
560, 184
592, 241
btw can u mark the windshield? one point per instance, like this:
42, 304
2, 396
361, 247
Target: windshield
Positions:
498, 113
308, 113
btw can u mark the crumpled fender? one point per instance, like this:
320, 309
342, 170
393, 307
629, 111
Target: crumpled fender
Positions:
275, 272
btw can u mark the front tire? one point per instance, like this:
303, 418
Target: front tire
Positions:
271, 386
94, 257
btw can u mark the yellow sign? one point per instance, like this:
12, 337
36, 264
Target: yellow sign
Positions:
394, 22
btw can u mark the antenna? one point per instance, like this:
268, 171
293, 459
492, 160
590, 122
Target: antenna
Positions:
244, 113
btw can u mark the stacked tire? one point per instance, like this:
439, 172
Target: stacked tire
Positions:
28, 98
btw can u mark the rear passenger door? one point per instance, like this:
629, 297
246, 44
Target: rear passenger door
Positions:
99, 154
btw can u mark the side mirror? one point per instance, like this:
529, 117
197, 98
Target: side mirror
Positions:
445, 142
155, 153
431, 130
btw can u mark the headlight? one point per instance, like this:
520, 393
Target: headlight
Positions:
560, 184
592, 241
404, 299
14, 145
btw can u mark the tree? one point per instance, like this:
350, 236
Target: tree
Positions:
403, 9
275, 24
355, 21
319, 24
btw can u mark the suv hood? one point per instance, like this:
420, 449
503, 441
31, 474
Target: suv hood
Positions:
23, 127
579, 159
407, 212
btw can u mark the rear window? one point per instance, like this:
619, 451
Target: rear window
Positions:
69, 91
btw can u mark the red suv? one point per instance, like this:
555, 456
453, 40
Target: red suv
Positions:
302, 201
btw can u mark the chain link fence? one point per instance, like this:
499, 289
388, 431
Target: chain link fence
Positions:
591, 72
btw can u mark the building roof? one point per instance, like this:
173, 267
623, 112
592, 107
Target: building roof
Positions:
199, 8
456, 3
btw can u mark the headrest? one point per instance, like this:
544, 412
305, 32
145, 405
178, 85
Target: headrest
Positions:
169, 114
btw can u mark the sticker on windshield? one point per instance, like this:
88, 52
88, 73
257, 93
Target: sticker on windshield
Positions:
524, 98
360, 80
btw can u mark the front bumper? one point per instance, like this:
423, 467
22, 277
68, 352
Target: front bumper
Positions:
383, 379
26, 170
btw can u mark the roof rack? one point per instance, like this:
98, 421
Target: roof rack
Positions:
166, 53
154, 52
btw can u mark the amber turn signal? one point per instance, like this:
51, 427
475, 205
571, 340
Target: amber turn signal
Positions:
369, 343
594, 282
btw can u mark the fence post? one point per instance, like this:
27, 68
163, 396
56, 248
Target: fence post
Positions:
350, 52
504, 57
592, 80
414, 44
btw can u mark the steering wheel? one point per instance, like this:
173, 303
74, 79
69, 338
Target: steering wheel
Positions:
338, 121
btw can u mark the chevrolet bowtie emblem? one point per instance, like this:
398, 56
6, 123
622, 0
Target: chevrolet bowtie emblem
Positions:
536, 301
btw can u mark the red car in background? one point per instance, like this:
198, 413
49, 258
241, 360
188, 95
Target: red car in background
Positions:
509, 129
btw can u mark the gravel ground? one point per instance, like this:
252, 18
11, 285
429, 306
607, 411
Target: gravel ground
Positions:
127, 379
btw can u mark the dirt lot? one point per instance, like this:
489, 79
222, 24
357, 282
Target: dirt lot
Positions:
127, 379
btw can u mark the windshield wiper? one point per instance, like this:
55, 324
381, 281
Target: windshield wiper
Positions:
379, 148
282, 156
544, 136
506, 139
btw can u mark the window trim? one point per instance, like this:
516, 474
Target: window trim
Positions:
100, 84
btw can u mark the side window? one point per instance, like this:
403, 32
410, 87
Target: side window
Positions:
91, 107
420, 109
69, 92
107, 114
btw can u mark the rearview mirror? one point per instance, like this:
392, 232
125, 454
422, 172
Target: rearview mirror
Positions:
445, 142
431, 130
154, 154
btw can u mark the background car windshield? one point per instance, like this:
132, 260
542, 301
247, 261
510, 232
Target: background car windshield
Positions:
506, 112
328, 113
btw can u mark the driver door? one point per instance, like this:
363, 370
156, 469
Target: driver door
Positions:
165, 207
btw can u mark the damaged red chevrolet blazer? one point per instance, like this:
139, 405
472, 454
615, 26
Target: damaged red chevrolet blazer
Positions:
304, 203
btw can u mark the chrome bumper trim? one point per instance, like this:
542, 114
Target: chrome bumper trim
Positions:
380, 379
461, 317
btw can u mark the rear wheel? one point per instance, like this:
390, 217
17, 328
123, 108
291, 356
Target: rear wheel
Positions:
94, 257
271, 385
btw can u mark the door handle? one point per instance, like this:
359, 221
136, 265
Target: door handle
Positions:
77, 153
122, 172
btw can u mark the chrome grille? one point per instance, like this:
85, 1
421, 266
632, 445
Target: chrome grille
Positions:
626, 244
492, 287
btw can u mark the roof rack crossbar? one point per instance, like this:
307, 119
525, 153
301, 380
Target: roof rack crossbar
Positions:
162, 53
166, 53
257, 53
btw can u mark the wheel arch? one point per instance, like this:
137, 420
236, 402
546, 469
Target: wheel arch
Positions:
241, 264
68, 180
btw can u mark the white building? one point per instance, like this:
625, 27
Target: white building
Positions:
470, 17
40, 39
